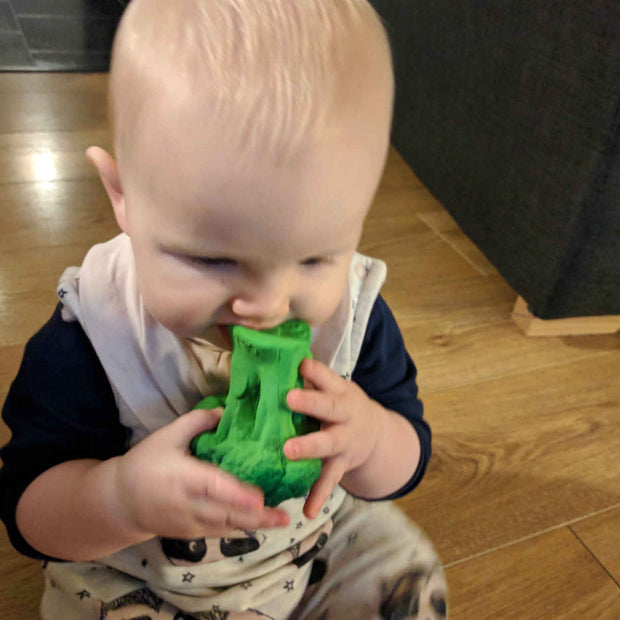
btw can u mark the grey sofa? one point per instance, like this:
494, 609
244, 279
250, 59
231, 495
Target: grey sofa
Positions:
508, 111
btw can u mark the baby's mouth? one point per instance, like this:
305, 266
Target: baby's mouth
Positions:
224, 330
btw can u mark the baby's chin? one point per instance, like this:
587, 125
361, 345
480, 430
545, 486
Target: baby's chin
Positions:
216, 334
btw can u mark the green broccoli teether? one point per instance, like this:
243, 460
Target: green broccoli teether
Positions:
257, 421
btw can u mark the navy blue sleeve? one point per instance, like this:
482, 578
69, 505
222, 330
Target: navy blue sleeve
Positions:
386, 372
60, 407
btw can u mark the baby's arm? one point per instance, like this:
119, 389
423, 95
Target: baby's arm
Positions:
393, 460
62, 470
65, 513
86, 509
374, 439
367, 448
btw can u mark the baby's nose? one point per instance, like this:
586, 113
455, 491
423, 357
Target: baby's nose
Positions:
267, 306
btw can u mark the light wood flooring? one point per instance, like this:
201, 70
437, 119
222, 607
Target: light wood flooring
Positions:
522, 497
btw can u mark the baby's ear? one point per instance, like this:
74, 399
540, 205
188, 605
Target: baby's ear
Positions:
108, 173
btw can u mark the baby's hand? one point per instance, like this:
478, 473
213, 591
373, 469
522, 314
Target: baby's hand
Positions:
164, 490
350, 425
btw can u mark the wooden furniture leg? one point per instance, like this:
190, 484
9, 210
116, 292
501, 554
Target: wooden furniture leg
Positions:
574, 326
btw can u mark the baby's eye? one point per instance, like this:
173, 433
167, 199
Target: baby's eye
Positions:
315, 261
205, 261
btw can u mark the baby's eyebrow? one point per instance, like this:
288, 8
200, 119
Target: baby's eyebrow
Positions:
221, 255
331, 251
171, 247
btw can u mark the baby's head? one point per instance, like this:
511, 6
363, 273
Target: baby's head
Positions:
250, 137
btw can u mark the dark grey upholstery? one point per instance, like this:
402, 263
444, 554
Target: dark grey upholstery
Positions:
508, 111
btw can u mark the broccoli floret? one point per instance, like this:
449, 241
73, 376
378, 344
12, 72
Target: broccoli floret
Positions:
257, 421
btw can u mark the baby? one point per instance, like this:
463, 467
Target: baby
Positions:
250, 137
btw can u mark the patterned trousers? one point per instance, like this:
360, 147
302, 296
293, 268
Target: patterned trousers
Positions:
375, 564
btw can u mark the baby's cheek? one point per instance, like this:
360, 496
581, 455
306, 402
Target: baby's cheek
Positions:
174, 315
324, 303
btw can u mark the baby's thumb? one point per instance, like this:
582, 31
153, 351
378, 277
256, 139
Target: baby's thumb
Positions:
183, 430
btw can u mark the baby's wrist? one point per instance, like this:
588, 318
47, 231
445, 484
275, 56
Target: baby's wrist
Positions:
380, 416
389, 461
116, 499
357, 472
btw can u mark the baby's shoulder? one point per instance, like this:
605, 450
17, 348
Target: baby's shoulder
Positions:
60, 356
58, 337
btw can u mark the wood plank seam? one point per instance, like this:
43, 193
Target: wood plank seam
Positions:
594, 556
516, 541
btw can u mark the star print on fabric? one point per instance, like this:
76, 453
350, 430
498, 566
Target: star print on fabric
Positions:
289, 586
326, 510
352, 539
217, 613
61, 293
299, 524
188, 577
83, 594
240, 559
246, 585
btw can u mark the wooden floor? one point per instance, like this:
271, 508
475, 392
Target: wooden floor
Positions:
522, 497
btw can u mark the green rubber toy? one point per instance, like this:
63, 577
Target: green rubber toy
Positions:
257, 421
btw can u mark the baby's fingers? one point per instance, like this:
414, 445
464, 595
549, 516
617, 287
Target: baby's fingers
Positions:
332, 472
180, 433
321, 377
273, 517
320, 405
207, 482
218, 519
320, 445
222, 502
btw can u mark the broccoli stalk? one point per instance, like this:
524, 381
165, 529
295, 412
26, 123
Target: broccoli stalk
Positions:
257, 421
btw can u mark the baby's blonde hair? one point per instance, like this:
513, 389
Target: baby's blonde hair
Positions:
268, 68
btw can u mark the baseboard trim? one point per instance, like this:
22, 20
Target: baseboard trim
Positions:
574, 326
